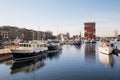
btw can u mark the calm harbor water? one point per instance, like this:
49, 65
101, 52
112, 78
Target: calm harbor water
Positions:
72, 63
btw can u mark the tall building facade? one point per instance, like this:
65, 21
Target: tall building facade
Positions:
90, 30
9, 32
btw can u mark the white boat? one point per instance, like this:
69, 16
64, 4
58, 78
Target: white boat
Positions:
105, 47
5, 51
92, 41
86, 41
29, 50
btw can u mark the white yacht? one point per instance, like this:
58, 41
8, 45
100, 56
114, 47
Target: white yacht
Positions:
105, 47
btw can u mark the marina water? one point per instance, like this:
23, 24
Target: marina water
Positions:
71, 63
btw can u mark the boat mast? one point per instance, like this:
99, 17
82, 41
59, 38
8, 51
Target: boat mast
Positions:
38, 33
33, 34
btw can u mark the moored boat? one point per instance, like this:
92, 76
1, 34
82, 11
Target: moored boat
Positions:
105, 47
54, 46
77, 43
92, 41
29, 50
5, 51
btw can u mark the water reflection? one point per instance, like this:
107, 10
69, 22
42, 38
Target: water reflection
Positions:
5, 57
54, 55
90, 50
107, 60
27, 66
7, 61
78, 47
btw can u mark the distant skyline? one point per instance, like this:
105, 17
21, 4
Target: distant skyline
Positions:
61, 16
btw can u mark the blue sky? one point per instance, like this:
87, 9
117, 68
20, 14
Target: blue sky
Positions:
62, 16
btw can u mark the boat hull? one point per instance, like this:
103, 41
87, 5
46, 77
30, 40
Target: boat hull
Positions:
77, 43
54, 49
106, 50
5, 51
28, 56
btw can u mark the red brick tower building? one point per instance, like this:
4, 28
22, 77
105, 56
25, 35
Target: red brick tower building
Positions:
89, 28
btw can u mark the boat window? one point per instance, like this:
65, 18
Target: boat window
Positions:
20, 45
24, 45
29, 45
37, 45
112, 45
